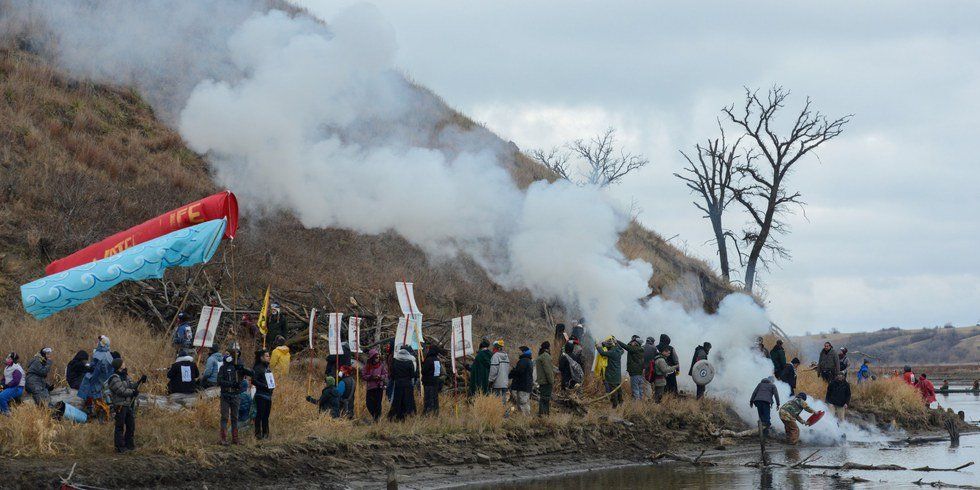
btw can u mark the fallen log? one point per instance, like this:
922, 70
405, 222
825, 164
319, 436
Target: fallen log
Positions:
958, 468
873, 467
684, 459
172, 403
939, 484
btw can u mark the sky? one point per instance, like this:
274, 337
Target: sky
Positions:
890, 232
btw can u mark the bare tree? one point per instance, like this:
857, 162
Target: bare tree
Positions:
709, 174
761, 187
597, 160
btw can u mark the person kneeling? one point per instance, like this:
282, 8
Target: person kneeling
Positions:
182, 374
329, 400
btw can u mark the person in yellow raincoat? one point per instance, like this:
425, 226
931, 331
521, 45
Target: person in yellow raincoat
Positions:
279, 364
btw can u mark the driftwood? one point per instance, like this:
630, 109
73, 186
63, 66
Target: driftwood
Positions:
732, 433
939, 484
684, 459
172, 403
883, 467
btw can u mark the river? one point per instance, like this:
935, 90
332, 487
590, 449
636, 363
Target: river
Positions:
732, 474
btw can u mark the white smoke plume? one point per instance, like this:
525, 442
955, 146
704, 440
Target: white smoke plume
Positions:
295, 115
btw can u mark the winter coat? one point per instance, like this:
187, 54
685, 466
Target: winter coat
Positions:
279, 361
329, 401
634, 358
614, 366
544, 369
37, 374
499, 370
844, 362
909, 378
793, 408
403, 368
699, 355
122, 389
864, 373
649, 354
99, 371
260, 380
838, 393
480, 372
672, 359
778, 356
374, 375
788, 376
212, 365
433, 370
661, 368
765, 392
346, 388
178, 380
76, 369
276, 326
184, 336
229, 378
522, 374
13, 376
927, 390
829, 364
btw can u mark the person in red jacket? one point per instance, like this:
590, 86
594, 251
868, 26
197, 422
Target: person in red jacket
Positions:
926, 388
908, 375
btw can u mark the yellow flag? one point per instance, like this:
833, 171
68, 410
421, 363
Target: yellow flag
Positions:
263, 322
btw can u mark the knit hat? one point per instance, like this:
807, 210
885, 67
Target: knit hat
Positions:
331, 381
484, 343
116, 364
499, 344
47, 350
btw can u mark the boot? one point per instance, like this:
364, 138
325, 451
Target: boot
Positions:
224, 438
234, 435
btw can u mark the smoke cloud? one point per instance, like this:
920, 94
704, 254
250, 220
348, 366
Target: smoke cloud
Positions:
295, 115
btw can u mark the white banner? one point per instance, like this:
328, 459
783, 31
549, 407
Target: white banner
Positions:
312, 324
406, 298
354, 334
462, 338
409, 332
333, 334
207, 326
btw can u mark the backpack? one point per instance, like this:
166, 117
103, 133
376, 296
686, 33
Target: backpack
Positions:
578, 375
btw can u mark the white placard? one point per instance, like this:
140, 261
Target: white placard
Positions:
312, 323
406, 298
409, 332
461, 342
270, 380
436, 369
185, 374
333, 334
207, 326
354, 333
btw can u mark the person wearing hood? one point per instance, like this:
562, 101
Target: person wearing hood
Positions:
788, 375
864, 373
124, 393
480, 370
843, 361
661, 368
926, 389
37, 377
12, 383
231, 374
522, 383
276, 324
762, 398
613, 377
673, 360
184, 335
634, 365
279, 361
76, 369
375, 376
700, 354
182, 373
545, 371
329, 400
838, 396
829, 364
499, 375
789, 414
99, 370
346, 387
211, 367
432, 380
265, 383
778, 357
404, 371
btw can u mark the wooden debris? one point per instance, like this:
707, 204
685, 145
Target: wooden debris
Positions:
684, 459
939, 484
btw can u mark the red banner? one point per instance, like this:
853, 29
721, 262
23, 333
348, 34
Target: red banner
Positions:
220, 205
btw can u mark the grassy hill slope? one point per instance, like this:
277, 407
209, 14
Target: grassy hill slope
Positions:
899, 346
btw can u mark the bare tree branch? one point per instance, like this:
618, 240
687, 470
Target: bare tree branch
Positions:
597, 160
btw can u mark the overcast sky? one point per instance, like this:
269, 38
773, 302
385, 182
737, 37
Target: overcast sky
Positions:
891, 232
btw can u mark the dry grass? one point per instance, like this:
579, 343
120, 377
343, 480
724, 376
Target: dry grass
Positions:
891, 399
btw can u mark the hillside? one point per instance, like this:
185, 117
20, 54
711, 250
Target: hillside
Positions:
79, 161
900, 346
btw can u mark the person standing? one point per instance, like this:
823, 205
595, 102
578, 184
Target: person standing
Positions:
762, 398
279, 360
838, 396
760, 345
661, 368
634, 365
908, 375
789, 414
124, 394
432, 381
13, 382
346, 387
672, 359
864, 373
829, 364
778, 357
522, 383
480, 370
403, 372
842, 361
927, 389
184, 335
700, 354
546, 378
571, 371
649, 354
265, 383
613, 377
229, 379
375, 376
499, 376
37, 377
788, 375
276, 324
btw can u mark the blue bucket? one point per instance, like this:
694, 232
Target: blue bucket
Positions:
74, 414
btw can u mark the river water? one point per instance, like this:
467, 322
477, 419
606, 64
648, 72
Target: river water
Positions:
732, 474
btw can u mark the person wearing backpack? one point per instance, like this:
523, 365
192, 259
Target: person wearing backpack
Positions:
229, 378
121, 394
